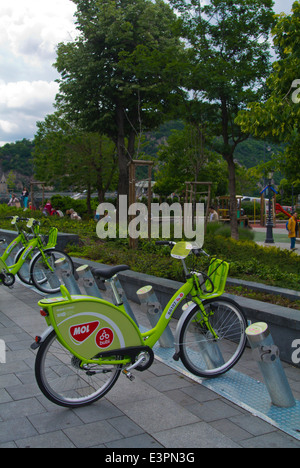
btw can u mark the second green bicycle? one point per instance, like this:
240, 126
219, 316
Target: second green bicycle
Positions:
35, 262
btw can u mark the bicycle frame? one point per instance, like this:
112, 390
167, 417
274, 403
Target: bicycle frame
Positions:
29, 247
21, 238
13, 269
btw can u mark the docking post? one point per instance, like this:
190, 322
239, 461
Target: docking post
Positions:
66, 276
87, 281
266, 353
153, 307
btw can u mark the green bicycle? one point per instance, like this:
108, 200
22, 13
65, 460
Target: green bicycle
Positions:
42, 260
23, 238
89, 341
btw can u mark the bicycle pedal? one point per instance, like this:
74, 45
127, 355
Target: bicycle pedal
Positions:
128, 375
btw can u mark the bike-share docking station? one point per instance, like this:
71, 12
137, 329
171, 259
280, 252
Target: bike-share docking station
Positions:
271, 401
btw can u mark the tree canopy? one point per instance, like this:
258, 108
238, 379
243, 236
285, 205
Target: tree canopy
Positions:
65, 156
230, 60
121, 76
278, 117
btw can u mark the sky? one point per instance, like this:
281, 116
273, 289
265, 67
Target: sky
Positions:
29, 33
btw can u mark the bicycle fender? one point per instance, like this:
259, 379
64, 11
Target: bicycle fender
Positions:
40, 339
178, 329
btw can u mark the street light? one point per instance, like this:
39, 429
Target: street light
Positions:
269, 234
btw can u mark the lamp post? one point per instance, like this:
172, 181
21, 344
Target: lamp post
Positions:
269, 234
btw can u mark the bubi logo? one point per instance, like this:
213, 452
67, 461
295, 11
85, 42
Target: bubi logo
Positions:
104, 337
80, 333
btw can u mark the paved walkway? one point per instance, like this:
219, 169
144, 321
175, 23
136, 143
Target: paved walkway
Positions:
280, 236
161, 408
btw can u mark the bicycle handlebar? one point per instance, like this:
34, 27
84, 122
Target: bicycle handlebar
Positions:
169, 243
196, 251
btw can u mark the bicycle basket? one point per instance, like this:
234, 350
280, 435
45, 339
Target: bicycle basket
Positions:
52, 237
217, 274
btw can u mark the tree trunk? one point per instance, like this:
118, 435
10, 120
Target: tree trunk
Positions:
228, 156
123, 185
232, 199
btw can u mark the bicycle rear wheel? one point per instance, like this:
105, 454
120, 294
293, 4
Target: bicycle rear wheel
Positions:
64, 382
203, 354
24, 272
43, 270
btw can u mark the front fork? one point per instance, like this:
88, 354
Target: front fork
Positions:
204, 315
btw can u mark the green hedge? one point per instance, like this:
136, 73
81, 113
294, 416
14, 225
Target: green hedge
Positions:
247, 260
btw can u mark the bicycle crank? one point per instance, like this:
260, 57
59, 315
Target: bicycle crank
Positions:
144, 361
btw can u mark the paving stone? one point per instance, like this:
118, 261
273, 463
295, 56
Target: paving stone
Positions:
271, 440
162, 413
252, 424
17, 409
213, 410
50, 422
93, 434
51, 440
140, 441
16, 429
199, 435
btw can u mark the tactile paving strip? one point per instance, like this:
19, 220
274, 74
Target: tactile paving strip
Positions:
244, 391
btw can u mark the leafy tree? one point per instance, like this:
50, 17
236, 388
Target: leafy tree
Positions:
278, 117
84, 160
121, 76
185, 158
230, 60
17, 157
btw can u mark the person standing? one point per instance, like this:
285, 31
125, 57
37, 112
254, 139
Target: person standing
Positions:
25, 195
213, 216
293, 229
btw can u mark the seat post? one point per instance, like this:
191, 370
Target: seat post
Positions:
120, 296
112, 282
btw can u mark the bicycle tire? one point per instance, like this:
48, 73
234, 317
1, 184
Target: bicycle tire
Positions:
200, 352
62, 380
24, 272
44, 279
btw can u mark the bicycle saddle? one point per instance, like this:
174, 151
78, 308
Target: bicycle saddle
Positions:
107, 272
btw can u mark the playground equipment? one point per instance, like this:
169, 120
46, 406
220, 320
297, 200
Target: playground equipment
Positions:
223, 211
279, 208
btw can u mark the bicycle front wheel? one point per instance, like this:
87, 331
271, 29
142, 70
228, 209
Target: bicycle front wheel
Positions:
63, 381
43, 270
201, 352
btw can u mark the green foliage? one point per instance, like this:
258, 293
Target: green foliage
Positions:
184, 156
278, 117
123, 73
248, 260
17, 157
230, 61
66, 156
